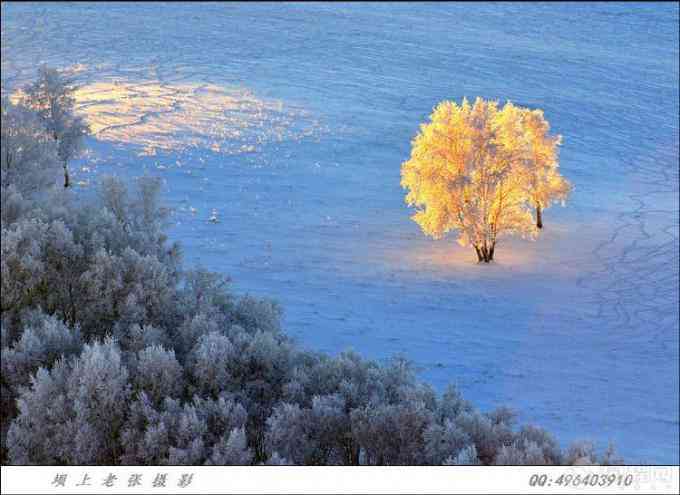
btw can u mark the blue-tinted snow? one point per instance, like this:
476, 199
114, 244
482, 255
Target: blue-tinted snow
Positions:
578, 331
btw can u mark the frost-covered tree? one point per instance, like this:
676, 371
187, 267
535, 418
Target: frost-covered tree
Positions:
331, 430
520, 453
544, 184
549, 448
22, 266
466, 457
311, 436
392, 434
28, 158
44, 340
52, 97
584, 453
43, 432
211, 364
488, 432
451, 405
231, 450
199, 431
443, 441
205, 293
479, 170
287, 435
258, 375
158, 373
257, 314
72, 414
252, 367
91, 267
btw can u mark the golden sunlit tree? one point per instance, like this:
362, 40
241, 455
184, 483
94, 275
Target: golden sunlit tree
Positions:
473, 170
544, 184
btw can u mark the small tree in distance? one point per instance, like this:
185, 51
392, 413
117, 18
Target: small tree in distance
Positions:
51, 96
481, 171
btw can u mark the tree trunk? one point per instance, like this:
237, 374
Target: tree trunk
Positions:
479, 254
485, 253
67, 180
351, 453
539, 217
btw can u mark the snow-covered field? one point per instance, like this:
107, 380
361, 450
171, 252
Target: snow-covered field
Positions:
290, 123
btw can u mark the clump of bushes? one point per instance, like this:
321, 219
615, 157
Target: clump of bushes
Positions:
114, 353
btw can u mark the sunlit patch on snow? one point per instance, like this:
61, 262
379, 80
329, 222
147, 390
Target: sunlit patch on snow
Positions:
448, 255
171, 117
512, 256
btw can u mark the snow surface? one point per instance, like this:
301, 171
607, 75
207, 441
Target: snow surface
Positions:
280, 129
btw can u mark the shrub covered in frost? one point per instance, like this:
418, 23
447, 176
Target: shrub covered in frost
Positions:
44, 340
194, 431
113, 353
392, 433
73, 413
466, 457
157, 373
